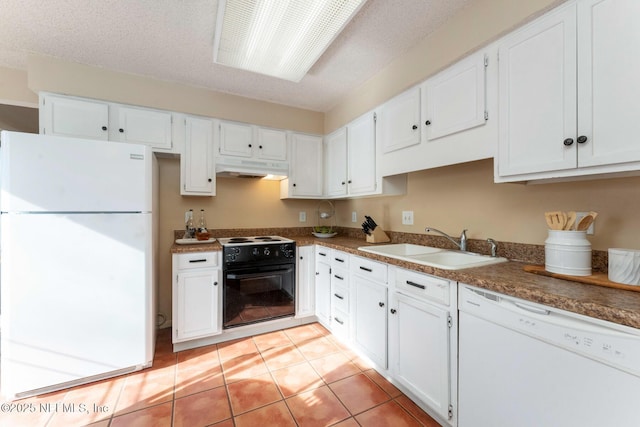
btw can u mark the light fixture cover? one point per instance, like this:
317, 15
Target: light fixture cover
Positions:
279, 38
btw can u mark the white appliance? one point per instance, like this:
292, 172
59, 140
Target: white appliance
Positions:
524, 364
77, 261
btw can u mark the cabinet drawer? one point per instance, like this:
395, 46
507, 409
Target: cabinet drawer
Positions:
340, 324
339, 259
373, 270
323, 254
423, 285
340, 298
197, 260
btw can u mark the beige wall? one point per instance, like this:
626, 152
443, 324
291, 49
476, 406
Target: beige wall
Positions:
14, 89
464, 196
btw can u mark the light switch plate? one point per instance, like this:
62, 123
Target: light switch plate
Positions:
354, 216
407, 217
303, 216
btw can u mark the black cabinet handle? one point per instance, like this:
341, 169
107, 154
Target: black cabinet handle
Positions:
294, 184
338, 320
381, 304
301, 257
568, 141
582, 139
339, 260
121, 130
410, 283
414, 127
427, 123
104, 128
349, 181
198, 260
249, 145
366, 269
322, 253
338, 277
260, 147
338, 296
393, 311
215, 283
209, 180
343, 183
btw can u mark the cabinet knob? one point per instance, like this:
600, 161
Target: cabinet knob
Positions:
343, 183
568, 141
294, 184
381, 304
249, 145
104, 128
317, 273
427, 123
260, 147
209, 180
121, 130
582, 139
349, 181
414, 127
215, 283
301, 257
393, 311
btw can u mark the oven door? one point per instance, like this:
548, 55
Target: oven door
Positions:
258, 294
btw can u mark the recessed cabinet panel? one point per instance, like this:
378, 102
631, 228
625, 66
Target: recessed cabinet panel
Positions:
454, 100
143, 126
538, 96
236, 139
272, 144
306, 166
361, 155
608, 89
336, 176
197, 304
305, 292
72, 117
197, 159
400, 121
323, 287
370, 318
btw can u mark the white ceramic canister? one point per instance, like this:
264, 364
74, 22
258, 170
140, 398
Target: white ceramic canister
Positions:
567, 252
624, 266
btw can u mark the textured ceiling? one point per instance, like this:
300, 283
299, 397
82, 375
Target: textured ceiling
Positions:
173, 40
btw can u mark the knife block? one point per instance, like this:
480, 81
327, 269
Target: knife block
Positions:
378, 236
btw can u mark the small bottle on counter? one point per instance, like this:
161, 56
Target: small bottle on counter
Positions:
202, 222
190, 229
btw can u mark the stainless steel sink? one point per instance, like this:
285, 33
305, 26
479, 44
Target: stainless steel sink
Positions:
434, 257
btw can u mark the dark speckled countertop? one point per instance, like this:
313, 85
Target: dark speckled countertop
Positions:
614, 305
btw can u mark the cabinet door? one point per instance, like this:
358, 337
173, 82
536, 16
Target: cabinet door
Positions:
608, 89
198, 296
361, 155
419, 350
336, 169
306, 165
323, 293
142, 126
74, 117
272, 144
197, 160
454, 100
236, 139
305, 294
370, 319
400, 121
537, 85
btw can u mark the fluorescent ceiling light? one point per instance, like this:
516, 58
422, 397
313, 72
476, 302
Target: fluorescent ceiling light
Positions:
279, 38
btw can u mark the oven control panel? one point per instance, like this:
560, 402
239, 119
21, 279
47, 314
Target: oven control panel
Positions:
260, 254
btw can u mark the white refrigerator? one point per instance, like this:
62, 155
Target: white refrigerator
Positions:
77, 261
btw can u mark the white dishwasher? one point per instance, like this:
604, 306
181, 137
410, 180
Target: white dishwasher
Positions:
525, 364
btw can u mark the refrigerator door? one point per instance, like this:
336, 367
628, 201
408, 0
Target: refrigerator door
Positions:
42, 173
76, 304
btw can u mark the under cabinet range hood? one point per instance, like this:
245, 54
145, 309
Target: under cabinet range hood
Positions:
230, 167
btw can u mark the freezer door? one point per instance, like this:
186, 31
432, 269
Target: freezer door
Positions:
76, 304
48, 173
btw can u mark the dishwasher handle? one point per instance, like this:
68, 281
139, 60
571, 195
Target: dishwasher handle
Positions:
532, 309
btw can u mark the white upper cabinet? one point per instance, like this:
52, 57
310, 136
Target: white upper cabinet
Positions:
305, 177
244, 140
64, 116
568, 94
197, 173
399, 121
454, 100
336, 163
361, 155
236, 139
141, 126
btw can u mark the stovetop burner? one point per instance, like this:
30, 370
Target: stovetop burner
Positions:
252, 240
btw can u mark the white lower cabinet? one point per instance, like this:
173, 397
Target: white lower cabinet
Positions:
305, 291
323, 286
423, 340
197, 287
369, 285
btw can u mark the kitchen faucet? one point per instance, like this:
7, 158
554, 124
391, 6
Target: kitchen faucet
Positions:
463, 237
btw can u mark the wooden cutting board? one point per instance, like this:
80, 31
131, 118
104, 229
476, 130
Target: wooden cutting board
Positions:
599, 279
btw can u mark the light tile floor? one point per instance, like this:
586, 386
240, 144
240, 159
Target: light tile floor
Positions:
300, 376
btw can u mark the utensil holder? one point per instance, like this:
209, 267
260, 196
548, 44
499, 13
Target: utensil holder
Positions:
378, 236
567, 252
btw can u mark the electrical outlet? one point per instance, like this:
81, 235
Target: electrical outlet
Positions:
579, 216
407, 217
354, 216
303, 216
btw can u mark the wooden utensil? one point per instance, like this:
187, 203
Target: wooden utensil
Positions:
555, 219
585, 222
571, 220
